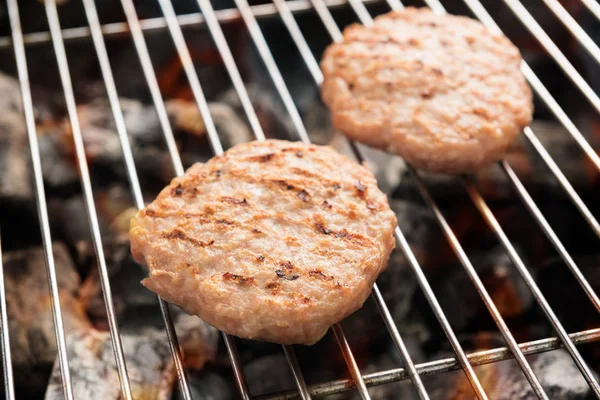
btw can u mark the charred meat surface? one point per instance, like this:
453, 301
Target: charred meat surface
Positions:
439, 90
264, 286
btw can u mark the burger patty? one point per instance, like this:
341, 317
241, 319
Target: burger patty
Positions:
272, 240
439, 90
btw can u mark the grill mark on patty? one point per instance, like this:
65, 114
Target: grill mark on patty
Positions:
263, 157
235, 201
289, 277
360, 187
306, 173
300, 298
177, 190
201, 217
354, 238
287, 271
321, 180
227, 276
273, 288
279, 182
371, 205
304, 196
319, 274
178, 234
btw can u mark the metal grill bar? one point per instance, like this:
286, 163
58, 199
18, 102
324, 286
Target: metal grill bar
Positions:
357, 378
543, 93
486, 19
273, 70
529, 281
479, 11
313, 66
366, 19
564, 182
495, 226
9, 388
550, 234
192, 76
440, 366
489, 303
363, 15
593, 7
174, 23
538, 32
193, 20
563, 15
298, 377
176, 159
59, 330
65, 77
237, 368
309, 59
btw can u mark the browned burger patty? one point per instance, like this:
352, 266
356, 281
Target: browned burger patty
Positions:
441, 91
273, 240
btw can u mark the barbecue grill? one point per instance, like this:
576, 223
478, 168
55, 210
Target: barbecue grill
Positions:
285, 10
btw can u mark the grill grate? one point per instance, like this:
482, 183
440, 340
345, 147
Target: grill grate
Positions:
285, 10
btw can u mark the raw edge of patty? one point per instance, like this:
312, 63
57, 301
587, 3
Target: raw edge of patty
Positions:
439, 90
273, 241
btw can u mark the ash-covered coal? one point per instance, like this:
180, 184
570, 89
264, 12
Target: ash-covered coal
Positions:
103, 147
504, 380
94, 374
147, 355
29, 309
14, 158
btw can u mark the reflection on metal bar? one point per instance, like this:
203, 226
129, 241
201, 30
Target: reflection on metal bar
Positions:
562, 179
572, 25
530, 282
149, 25
440, 366
150, 76
485, 18
219, 38
593, 6
238, 373
9, 387
65, 77
538, 32
550, 234
59, 330
489, 303
273, 70
357, 378
298, 377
